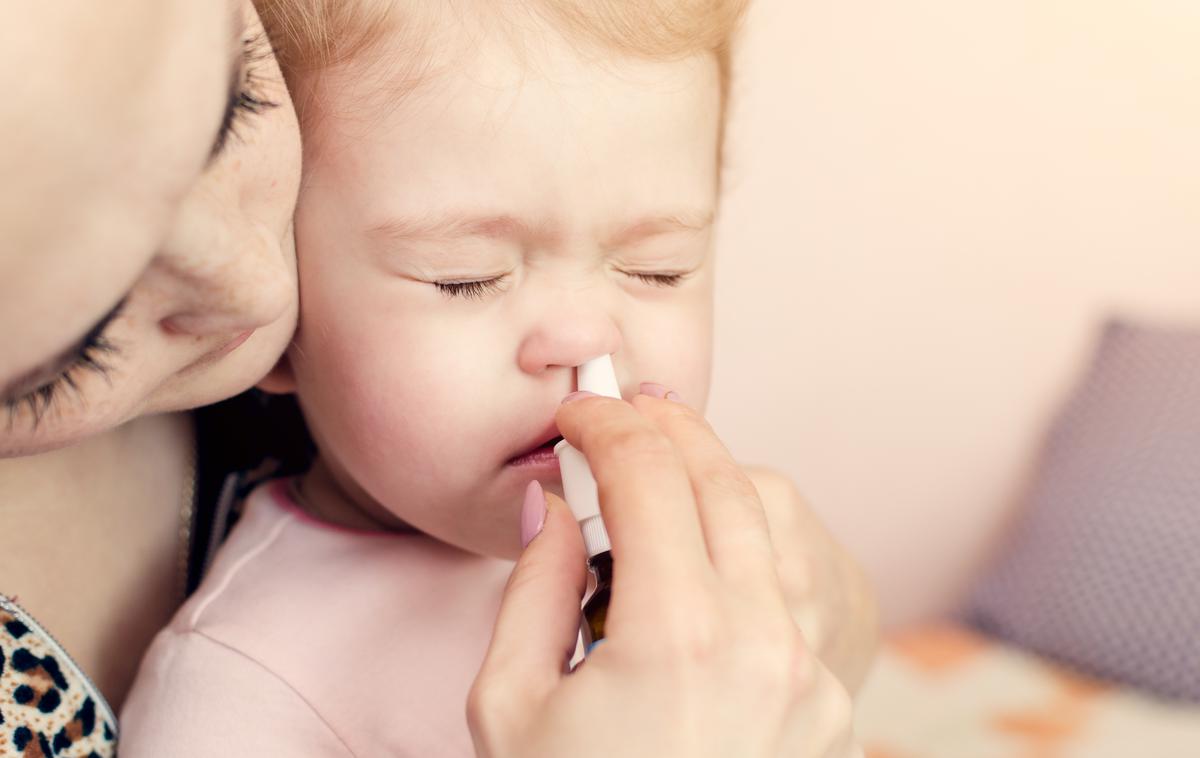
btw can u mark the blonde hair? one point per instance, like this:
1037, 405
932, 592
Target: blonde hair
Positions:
312, 35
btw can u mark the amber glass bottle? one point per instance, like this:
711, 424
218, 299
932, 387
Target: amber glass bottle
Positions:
595, 610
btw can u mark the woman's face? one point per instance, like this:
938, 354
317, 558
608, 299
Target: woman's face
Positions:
151, 159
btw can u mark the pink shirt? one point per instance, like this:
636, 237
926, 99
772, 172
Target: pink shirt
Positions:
311, 640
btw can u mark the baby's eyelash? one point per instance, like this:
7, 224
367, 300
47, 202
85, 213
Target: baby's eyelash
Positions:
475, 290
245, 100
658, 280
93, 356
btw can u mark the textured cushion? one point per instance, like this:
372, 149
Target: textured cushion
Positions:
1103, 570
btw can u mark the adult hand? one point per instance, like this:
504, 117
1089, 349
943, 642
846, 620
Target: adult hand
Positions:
702, 656
829, 595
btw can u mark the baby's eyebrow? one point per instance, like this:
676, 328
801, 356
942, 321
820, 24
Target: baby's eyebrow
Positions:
451, 227
653, 226
455, 226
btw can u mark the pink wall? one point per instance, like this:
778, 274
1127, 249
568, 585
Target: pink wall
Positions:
931, 205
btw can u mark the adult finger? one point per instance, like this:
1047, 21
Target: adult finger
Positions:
538, 621
730, 509
645, 497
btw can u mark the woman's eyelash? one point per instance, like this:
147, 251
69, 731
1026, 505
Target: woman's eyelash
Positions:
92, 356
475, 290
245, 99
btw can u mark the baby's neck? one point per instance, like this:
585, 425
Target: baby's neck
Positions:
324, 496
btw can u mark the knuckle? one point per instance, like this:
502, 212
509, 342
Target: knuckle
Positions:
519, 582
683, 417
833, 704
490, 709
687, 421
839, 714
690, 417
635, 444
728, 478
480, 710
779, 662
697, 644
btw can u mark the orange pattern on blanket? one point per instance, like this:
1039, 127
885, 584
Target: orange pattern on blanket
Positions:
1051, 727
938, 648
1077, 685
1054, 722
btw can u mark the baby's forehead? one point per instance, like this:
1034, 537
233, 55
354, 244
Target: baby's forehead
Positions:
489, 102
444, 57
381, 51
518, 121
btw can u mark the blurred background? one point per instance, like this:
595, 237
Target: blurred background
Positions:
932, 209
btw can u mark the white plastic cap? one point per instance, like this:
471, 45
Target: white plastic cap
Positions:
579, 486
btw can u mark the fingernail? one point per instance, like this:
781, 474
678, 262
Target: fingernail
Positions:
533, 513
581, 394
654, 390
657, 390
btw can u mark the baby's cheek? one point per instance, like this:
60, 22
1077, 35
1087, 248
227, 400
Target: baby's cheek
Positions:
396, 408
425, 395
674, 349
688, 371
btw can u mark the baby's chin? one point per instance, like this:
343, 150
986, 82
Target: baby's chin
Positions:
498, 537
503, 544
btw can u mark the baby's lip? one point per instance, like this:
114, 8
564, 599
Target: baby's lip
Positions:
548, 436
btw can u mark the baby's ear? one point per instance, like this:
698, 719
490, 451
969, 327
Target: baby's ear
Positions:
280, 380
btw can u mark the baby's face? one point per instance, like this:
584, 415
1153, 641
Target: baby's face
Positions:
462, 249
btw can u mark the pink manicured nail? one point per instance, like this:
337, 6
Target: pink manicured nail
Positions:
577, 396
657, 390
533, 513
654, 390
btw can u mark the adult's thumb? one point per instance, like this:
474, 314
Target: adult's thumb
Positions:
538, 622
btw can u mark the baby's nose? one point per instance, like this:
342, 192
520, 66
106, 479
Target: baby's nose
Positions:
568, 339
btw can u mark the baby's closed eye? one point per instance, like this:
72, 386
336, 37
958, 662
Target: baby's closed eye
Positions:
474, 289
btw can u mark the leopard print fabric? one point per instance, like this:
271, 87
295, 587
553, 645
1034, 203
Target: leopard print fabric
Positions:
48, 708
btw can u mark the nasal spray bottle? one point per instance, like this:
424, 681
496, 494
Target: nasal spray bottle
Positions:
579, 487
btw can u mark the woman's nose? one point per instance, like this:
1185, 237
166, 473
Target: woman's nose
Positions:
226, 278
567, 338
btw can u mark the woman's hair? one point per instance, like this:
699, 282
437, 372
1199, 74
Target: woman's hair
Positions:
313, 35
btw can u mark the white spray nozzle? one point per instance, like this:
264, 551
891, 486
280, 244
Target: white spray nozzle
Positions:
579, 486
598, 376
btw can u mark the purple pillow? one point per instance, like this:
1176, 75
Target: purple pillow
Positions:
1103, 570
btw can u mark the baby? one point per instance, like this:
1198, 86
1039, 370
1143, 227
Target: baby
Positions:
493, 194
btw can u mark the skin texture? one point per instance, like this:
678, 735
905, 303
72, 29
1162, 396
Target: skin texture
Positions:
198, 246
698, 632
200, 251
417, 398
566, 179
110, 132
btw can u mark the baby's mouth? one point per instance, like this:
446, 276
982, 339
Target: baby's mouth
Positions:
541, 454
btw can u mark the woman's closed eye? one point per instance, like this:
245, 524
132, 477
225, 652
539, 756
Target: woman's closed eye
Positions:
245, 99
93, 354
